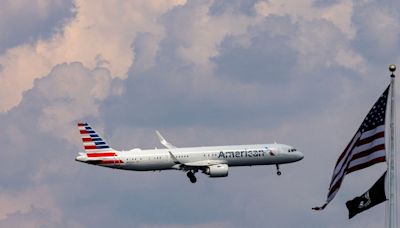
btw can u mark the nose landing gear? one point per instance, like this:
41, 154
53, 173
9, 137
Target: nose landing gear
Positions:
191, 176
277, 170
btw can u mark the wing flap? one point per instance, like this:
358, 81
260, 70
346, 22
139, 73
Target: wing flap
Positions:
204, 163
194, 165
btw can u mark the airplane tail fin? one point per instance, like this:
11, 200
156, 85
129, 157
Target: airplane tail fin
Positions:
92, 142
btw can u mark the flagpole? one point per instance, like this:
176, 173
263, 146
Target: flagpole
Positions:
391, 221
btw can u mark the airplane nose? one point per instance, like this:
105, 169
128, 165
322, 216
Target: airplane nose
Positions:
299, 155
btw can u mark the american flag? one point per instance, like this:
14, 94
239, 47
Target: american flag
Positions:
367, 147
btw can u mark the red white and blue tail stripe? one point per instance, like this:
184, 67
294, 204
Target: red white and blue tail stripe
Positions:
97, 152
92, 142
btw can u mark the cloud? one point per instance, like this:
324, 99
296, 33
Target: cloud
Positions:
36, 217
318, 26
321, 44
252, 63
197, 39
90, 38
339, 13
71, 92
204, 73
32, 208
371, 22
26, 21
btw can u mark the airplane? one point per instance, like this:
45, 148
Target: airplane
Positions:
213, 161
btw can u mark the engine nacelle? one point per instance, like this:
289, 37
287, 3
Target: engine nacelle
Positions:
220, 170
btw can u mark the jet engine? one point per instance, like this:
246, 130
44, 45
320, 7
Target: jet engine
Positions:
220, 170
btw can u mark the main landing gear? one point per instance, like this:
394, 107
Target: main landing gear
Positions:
191, 176
277, 170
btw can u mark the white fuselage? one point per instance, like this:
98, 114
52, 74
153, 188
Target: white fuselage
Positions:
213, 161
160, 159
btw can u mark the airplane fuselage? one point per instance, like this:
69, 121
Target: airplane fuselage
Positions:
213, 161
160, 159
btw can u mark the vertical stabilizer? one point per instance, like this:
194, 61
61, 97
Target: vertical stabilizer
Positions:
92, 142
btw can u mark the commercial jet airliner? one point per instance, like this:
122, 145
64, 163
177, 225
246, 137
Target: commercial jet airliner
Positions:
213, 161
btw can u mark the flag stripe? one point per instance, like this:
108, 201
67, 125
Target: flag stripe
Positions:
362, 137
376, 154
380, 157
372, 149
355, 150
372, 132
367, 164
371, 138
332, 195
339, 177
349, 148
335, 188
341, 169
346, 150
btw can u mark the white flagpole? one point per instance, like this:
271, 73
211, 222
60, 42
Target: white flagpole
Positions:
391, 221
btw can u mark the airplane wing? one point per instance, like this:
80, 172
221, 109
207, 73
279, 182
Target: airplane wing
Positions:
195, 165
204, 163
189, 165
164, 142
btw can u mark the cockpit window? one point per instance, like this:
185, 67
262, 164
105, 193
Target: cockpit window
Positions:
292, 150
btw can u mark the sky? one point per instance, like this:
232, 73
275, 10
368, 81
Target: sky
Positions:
203, 73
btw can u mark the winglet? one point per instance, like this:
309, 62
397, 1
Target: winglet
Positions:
164, 142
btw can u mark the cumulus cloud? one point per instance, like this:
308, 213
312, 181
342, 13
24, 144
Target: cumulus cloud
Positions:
318, 27
100, 32
34, 207
339, 13
26, 21
71, 92
211, 71
199, 36
36, 217
378, 29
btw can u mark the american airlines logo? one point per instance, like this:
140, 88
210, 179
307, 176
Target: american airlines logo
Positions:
242, 154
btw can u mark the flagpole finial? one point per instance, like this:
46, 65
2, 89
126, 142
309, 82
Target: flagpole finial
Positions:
392, 69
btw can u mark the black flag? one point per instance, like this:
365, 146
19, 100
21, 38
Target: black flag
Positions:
372, 197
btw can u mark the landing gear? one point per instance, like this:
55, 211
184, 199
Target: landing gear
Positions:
277, 170
191, 176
